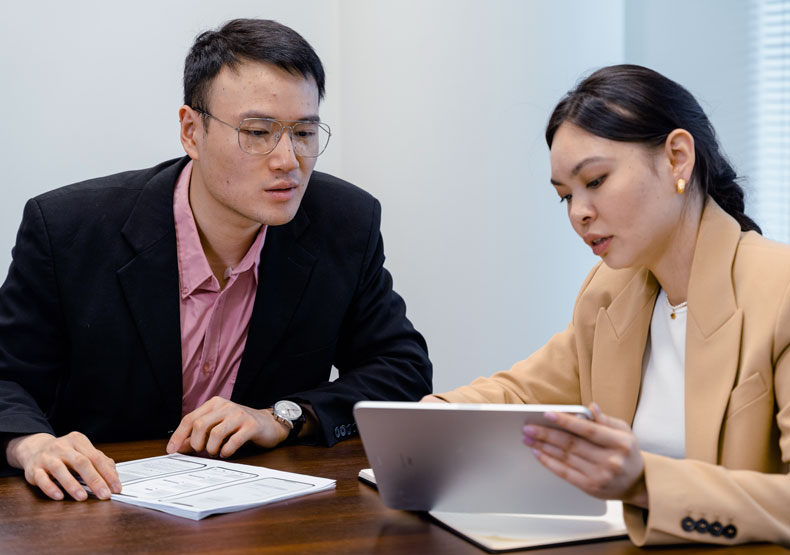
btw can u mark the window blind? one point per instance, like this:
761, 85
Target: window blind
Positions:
770, 113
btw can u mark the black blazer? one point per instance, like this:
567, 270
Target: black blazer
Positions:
90, 326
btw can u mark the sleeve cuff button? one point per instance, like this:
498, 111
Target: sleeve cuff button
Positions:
688, 524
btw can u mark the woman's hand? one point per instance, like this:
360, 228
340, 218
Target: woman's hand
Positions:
432, 399
600, 456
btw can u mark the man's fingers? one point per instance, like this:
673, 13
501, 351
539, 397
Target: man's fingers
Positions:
107, 470
193, 431
221, 427
85, 468
201, 428
234, 442
60, 472
41, 479
219, 433
180, 435
97, 470
185, 448
51, 464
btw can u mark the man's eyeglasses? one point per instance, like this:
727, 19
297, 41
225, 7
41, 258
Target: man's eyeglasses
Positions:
261, 135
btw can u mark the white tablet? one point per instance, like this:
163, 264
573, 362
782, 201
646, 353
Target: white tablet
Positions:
465, 458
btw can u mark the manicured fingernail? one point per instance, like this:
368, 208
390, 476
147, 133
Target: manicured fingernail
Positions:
81, 495
58, 495
528, 440
170, 448
535, 452
550, 416
116, 487
104, 493
529, 430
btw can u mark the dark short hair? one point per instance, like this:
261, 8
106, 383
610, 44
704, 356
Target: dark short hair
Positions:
632, 103
259, 40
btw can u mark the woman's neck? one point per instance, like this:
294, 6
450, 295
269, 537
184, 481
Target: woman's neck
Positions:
673, 269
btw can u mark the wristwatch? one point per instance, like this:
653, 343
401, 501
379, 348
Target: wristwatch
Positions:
290, 414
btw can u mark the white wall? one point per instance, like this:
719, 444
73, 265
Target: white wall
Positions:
705, 46
443, 106
437, 108
93, 87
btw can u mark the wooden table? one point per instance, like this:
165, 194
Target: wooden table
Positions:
350, 519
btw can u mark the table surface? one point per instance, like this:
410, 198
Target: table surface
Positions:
349, 519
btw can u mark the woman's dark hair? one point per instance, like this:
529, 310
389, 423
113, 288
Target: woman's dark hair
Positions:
635, 104
259, 40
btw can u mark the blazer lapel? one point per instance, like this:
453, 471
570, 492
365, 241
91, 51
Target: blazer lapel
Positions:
618, 346
283, 274
713, 333
150, 282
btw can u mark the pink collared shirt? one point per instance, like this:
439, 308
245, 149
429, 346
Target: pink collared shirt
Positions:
214, 321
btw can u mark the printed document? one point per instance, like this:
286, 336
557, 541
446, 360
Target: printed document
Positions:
194, 487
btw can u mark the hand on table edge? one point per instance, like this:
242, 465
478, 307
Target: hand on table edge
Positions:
49, 463
220, 427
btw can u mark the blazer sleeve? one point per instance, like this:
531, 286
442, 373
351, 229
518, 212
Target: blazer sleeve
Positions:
691, 500
549, 376
31, 341
379, 356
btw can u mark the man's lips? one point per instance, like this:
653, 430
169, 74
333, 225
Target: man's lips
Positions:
282, 192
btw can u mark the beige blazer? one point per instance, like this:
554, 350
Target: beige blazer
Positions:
737, 385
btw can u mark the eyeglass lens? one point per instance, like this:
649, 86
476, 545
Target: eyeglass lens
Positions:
260, 136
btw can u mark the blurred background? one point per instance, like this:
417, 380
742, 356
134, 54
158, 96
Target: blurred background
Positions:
437, 108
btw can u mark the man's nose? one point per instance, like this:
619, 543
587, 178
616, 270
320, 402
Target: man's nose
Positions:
283, 156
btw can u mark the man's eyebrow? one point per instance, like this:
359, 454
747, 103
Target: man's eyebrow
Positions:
257, 114
578, 167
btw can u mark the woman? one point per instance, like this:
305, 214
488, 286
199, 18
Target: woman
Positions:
679, 337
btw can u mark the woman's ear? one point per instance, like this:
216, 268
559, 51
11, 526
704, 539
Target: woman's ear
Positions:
679, 150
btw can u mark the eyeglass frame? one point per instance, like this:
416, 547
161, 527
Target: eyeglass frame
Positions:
237, 129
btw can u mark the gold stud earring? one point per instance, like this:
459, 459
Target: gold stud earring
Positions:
680, 186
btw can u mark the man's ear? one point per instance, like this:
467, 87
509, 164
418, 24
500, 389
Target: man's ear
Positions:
191, 125
679, 150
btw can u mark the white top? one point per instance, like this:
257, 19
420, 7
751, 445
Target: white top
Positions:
660, 419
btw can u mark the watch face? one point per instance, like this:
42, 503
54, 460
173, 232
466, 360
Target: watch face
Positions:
288, 410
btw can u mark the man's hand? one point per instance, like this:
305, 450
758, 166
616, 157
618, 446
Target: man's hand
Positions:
432, 399
48, 461
220, 427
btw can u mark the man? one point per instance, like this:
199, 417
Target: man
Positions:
205, 299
